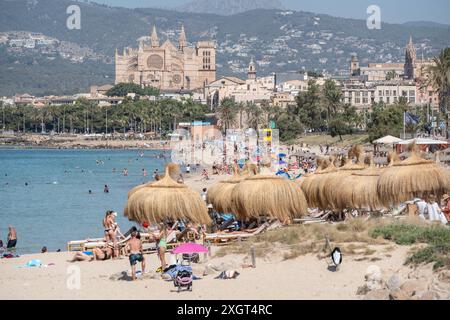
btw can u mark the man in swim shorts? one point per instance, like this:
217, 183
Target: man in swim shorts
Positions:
136, 254
12, 238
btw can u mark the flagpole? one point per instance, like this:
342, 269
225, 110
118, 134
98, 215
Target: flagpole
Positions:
404, 125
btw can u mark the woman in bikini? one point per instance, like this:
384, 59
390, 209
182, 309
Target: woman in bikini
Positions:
99, 254
162, 246
110, 231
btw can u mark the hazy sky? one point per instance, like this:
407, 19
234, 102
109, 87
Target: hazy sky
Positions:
395, 11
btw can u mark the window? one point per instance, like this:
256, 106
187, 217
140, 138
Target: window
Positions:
388, 100
380, 92
404, 93
395, 93
412, 93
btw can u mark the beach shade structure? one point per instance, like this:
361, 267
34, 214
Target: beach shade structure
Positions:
219, 195
359, 190
173, 170
412, 178
388, 140
190, 248
166, 199
331, 186
308, 183
266, 194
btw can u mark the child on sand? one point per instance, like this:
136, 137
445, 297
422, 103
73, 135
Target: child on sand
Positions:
136, 254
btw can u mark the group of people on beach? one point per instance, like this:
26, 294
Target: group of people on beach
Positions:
115, 241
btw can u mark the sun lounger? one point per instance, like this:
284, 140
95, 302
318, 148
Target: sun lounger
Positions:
226, 237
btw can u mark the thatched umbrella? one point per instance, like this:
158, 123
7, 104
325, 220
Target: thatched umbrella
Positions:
219, 195
266, 194
173, 171
166, 199
330, 185
307, 182
411, 178
359, 190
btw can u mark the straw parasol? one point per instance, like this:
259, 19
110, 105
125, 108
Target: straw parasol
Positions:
266, 194
219, 195
307, 182
414, 177
166, 199
359, 190
330, 186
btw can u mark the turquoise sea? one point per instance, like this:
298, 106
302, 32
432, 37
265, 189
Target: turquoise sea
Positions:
56, 206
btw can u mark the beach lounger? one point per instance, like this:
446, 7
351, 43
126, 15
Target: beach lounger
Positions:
220, 238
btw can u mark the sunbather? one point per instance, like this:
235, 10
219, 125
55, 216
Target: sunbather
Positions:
111, 230
96, 254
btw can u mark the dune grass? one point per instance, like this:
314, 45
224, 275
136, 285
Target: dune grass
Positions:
354, 237
437, 237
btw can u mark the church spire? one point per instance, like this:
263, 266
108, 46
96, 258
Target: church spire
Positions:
182, 40
154, 38
251, 71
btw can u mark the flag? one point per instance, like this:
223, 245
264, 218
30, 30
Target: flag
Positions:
411, 119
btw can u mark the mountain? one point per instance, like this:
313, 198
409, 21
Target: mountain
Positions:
228, 7
429, 24
68, 61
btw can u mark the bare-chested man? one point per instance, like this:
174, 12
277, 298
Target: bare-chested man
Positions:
134, 247
12, 238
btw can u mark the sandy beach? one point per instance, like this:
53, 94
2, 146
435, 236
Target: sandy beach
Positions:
306, 277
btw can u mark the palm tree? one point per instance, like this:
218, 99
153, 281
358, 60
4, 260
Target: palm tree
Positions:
227, 113
254, 115
439, 79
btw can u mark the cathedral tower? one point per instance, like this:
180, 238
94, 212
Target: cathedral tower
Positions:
410, 60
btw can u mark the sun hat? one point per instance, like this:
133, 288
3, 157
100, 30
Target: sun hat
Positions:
445, 197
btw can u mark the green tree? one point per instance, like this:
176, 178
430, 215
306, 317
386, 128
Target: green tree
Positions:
226, 112
385, 120
439, 79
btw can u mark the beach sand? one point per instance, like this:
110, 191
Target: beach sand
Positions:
306, 277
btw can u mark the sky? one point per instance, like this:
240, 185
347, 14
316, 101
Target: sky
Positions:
392, 11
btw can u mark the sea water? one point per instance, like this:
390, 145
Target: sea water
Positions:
44, 194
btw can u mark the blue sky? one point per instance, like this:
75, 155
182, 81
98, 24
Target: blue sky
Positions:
393, 11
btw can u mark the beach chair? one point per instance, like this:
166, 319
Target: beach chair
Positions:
225, 238
76, 245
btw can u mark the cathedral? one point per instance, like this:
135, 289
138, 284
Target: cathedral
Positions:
167, 67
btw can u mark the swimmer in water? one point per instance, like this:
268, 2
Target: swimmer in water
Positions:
106, 189
144, 172
125, 172
90, 191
